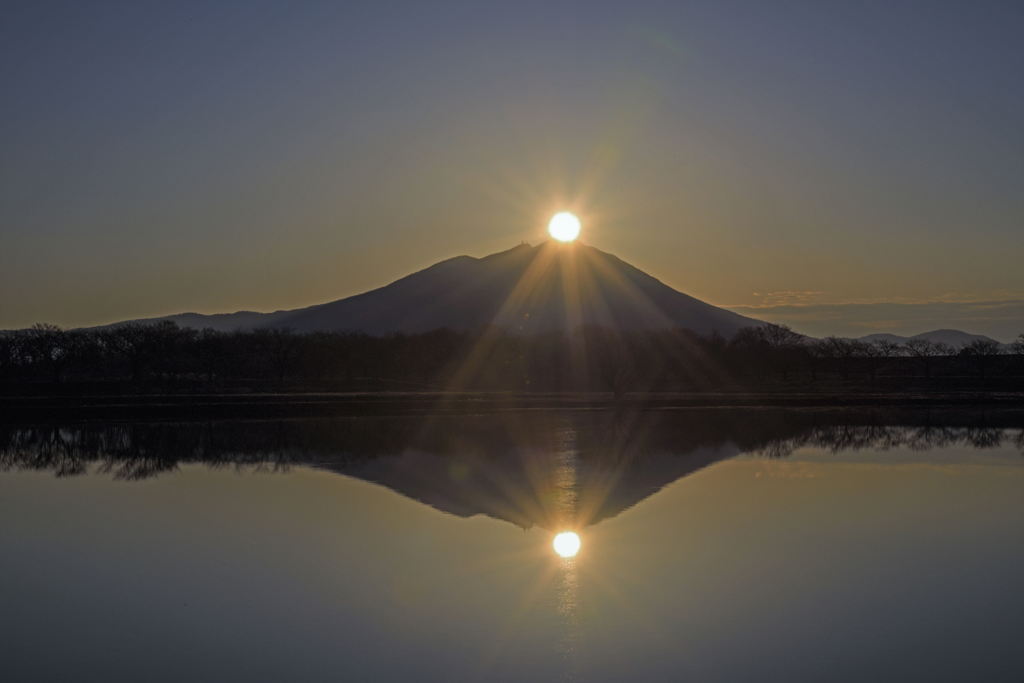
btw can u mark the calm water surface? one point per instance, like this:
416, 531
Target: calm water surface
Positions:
716, 546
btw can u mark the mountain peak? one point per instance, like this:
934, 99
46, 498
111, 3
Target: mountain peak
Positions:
547, 287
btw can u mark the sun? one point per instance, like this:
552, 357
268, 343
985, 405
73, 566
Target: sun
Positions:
567, 543
564, 226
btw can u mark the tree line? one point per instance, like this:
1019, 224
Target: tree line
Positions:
138, 450
166, 357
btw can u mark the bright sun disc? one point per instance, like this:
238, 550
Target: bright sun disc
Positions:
567, 543
564, 226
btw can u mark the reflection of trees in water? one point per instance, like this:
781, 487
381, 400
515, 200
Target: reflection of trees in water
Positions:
137, 450
555, 471
838, 438
605, 441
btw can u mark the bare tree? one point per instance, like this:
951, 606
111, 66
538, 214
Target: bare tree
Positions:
983, 351
144, 347
781, 336
51, 349
787, 347
281, 346
926, 351
10, 353
1018, 345
885, 348
843, 351
877, 352
769, 346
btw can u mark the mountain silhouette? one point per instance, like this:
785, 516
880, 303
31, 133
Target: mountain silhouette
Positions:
553, 471
955, 338
531, 469
533, 487
544, 288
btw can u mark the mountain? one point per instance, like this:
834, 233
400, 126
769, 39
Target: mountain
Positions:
548, 287
954, 338
533, 488
548, 469
534, 468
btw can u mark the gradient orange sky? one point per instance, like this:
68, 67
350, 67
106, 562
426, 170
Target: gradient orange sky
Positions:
845, 169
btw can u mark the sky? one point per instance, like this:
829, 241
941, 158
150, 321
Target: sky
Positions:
842, 167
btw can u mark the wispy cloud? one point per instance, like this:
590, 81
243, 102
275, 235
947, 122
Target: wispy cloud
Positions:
787, 297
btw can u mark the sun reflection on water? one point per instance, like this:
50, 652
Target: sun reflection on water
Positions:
568, 611
566, 544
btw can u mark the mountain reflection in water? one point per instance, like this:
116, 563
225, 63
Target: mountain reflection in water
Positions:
562, 471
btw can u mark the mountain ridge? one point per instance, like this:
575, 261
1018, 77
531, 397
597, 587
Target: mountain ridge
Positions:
542, 288
525, 288
954, 338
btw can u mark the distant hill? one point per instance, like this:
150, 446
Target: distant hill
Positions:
954, 338
548, 287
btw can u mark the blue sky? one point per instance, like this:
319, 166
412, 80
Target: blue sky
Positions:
216, 156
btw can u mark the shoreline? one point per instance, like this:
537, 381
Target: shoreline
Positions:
320, 404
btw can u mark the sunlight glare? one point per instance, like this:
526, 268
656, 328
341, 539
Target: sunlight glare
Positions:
567, 543
564, 226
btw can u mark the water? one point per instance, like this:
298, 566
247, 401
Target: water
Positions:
716, 546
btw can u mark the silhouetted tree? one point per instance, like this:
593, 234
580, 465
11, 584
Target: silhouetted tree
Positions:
925, 351
614, 364
144, 348
8, 354
770, 347
1018, 345
843, 351
746, 348
885, 348
592, 358
281, 346
211, 354
50, 350
877, 352
982, 351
